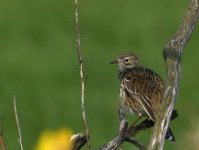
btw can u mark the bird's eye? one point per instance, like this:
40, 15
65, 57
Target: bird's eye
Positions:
126, 60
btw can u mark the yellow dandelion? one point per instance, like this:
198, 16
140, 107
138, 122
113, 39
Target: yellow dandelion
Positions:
55, 140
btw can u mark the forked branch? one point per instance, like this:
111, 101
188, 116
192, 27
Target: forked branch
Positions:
125, 136
172, 56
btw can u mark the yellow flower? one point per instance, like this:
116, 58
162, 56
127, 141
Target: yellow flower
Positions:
55, 140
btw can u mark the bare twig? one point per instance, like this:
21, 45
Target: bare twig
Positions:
18, 125
136, 143
124, 136
172, 55
77, 27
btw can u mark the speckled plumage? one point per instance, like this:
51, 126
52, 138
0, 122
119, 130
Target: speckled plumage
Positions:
141, 89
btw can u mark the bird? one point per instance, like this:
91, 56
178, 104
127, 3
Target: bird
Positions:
141, 89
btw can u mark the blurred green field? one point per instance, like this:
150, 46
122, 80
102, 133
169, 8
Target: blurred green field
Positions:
38, 64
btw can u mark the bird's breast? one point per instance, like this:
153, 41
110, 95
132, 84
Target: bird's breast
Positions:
128, 103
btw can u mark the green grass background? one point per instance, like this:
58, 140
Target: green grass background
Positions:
38, 64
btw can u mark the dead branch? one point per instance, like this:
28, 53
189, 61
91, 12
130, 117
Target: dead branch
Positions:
78, 43
126, 135
172, 56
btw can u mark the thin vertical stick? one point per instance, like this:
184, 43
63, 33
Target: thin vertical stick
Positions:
77, 28
17, 122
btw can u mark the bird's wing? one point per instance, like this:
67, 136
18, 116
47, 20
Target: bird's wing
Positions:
142, 86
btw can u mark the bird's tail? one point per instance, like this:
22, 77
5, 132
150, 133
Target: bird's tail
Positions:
170, 136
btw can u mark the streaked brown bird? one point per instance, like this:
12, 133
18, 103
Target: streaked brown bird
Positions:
141, 89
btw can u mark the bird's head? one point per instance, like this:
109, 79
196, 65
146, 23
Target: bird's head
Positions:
126, 61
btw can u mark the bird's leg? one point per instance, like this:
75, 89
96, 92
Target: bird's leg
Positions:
133, 125
136, 121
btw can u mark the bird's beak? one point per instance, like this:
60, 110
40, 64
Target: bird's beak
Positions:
114, 62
